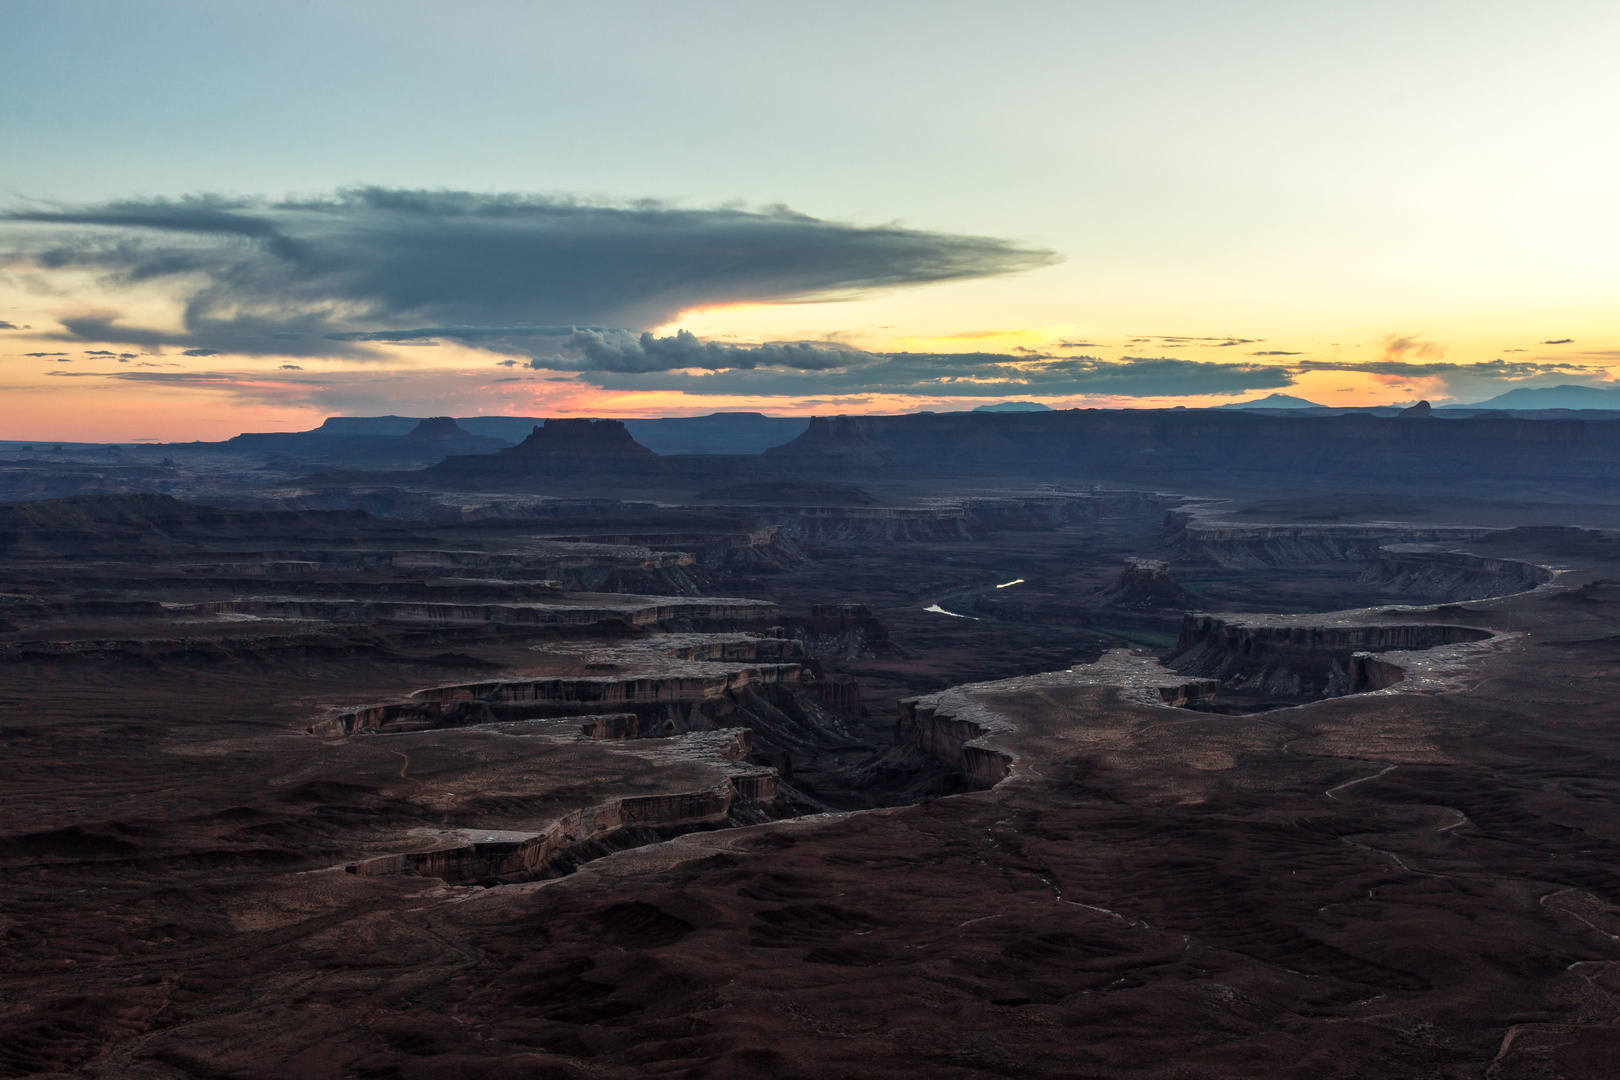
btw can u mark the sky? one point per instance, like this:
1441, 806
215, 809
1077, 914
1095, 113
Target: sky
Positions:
220, 217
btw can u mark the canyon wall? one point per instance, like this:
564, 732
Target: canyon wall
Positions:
1294, 659
580, 834
953, 741
1451, 575
663, 701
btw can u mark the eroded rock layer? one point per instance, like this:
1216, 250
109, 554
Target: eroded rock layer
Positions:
1299, 657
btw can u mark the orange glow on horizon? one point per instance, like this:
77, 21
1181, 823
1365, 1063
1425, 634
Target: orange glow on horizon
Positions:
103, 411
72, 390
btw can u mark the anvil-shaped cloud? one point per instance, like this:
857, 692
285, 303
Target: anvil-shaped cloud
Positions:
325, 276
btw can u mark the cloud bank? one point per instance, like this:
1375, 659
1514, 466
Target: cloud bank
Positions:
325, 276
970, 375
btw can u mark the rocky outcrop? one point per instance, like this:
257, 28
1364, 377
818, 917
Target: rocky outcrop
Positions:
841, 632
1299, 658
836, 692
954, 740
1370, 672
1190, 692
397, 716
955, 728
748, 793
581, 834
1145, 584
653, 687
663, 703
560, 449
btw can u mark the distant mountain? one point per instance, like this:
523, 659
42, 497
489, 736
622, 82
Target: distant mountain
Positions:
569, 454
716, 433
1568, 396
445, 437
364, 425
1273, 401
588, 440
1015, 406
514, 429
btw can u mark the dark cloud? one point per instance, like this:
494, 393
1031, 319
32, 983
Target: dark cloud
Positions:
200, 352
99, 352
471, 335
987, 375
325, 276
45, 354
980, 375
622, 351
9, 326
102, 326
1560, 341
1275, 352
992, 375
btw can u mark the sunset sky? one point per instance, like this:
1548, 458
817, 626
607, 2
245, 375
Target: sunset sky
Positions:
222, 217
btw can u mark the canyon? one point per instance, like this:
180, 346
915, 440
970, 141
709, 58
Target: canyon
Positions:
890, 753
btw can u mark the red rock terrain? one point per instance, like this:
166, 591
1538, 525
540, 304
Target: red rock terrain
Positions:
652, 838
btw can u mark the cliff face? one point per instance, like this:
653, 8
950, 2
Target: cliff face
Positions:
1145, 583
760, 688
663, 704
1300, 660
559, 448
1452, 575
580, 439
581, 834
841, 631
952, 741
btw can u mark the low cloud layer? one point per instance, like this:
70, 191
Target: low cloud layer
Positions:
972, 375
833, 372
623, 351
1504, 370
324, 276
